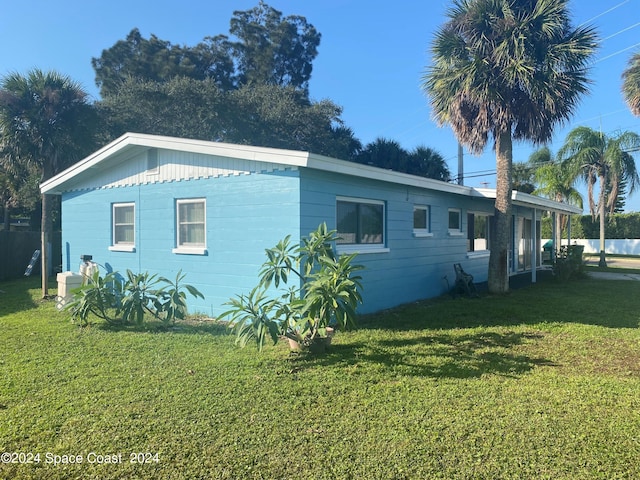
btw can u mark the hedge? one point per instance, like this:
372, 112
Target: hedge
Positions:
618, 226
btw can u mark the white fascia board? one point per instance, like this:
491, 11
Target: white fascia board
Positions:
243, 152
291, 158
532, 201
50, 186
319, 162
144, 141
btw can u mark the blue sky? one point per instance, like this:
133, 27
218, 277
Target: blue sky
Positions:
371, 58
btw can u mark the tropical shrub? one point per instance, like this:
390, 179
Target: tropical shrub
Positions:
324, 293
124, 302
569, 262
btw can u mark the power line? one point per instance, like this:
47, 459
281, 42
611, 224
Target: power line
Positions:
620, 31
616, 53
603, 13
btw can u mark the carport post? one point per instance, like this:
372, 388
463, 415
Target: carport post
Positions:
534, 247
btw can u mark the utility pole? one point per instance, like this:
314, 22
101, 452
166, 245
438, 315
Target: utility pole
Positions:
460, 165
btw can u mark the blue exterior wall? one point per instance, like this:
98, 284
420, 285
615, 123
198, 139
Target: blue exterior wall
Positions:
414, 268
244, 215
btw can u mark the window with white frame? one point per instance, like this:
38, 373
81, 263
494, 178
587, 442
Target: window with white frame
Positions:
478, 232
455, 221
123, 217
191, 225
360, 222
421, 220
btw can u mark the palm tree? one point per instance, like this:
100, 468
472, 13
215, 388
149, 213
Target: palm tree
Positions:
556, 183
631, 84
426, 162
45, 121
595, 157
507, 69
384, 153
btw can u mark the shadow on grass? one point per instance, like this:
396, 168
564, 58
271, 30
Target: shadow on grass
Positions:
190, 326
18, 295
438, 355
587, 301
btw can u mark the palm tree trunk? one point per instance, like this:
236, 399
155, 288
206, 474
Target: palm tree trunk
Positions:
601, 208
498, 281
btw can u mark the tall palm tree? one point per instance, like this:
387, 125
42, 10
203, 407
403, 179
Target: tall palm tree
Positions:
507, 69
556, 183
595, 157
45, 121
631, 84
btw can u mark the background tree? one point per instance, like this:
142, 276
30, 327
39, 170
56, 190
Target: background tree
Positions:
523, 177
156, 60
593, 156
18, 189
556, 183
426, 162
384, 153
179, 107
507, 69
389, 154
45, 122
283, 117
631, 84
264, 48
273, 50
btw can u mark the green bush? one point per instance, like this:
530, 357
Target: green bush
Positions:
326, 294
118, 302
618, 226
569, 262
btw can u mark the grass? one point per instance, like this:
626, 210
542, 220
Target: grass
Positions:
541, 383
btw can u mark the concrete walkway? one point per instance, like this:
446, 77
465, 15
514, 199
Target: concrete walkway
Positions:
616, 262
614, 276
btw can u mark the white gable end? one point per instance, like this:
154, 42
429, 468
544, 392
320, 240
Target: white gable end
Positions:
159, 165
123, 162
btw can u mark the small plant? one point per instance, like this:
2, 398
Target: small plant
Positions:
569, 262
118, 302
325, 295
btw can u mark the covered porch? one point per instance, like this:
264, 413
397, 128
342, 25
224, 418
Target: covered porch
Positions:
525, 256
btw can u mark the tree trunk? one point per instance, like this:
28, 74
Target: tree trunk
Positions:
45, 237
498, 281
7, 217
601, 208
46, 230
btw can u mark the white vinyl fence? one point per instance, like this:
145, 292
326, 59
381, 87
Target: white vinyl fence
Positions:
615, 247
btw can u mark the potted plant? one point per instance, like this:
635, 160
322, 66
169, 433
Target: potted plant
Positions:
323, 295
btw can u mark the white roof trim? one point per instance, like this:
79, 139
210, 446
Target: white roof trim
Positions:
56, 184
532, 201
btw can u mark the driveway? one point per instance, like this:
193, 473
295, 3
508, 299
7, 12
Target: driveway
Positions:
615, 262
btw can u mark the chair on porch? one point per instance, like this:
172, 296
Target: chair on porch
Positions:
464, 282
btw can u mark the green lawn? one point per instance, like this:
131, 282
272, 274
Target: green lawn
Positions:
542, 383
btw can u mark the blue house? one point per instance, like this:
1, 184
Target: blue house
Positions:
161, 204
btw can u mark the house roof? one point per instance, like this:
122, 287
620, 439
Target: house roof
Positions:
131, 144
